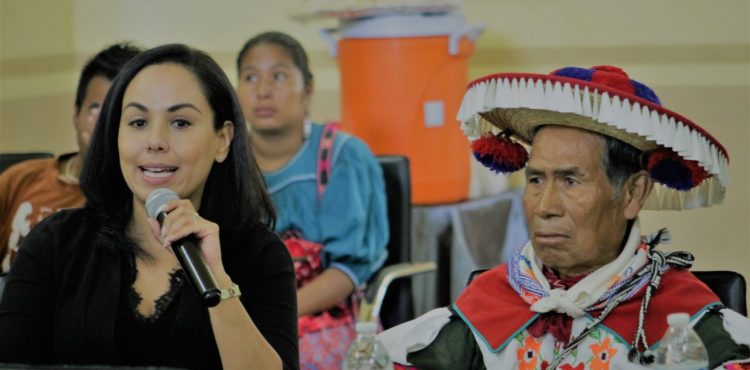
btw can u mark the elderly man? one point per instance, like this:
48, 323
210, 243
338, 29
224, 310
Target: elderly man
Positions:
587, 290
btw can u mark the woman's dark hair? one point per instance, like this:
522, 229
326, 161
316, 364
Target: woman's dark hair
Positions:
234, 196
288, 43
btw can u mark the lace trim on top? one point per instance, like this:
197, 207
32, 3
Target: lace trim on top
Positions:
176, 281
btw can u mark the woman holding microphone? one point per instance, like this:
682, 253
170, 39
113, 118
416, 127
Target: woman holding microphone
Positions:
101, 285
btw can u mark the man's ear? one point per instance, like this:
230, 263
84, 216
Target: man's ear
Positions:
636, 190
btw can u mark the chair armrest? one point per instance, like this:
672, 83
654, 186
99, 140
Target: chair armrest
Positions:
369, 309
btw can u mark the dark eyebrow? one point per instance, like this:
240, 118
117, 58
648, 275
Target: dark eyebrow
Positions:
171, 109
135, 105
563, 172
570, 171
530, 171
177, 107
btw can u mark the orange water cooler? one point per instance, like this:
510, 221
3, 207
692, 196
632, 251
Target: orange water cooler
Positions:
402, 80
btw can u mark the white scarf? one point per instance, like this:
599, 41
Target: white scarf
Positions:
590, 289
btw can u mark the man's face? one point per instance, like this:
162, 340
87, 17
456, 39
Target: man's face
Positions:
85, 118
576, 221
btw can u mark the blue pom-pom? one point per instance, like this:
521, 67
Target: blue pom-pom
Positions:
645, 92
672, 174
574, 72
494, 166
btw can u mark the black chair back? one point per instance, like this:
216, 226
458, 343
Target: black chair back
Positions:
9, 159
729, 286
473, 275
397, 305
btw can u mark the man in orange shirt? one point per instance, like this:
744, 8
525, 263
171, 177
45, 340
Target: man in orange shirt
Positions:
32, 190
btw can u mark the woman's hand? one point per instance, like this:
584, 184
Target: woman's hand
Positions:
181, 221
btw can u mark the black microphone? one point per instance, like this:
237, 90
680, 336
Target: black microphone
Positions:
187, 250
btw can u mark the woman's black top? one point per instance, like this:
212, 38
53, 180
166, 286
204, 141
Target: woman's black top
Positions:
68, 301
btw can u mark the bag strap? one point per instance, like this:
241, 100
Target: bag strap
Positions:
325, 154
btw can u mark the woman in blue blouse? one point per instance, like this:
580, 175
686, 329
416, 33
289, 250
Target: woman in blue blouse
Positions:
349, 216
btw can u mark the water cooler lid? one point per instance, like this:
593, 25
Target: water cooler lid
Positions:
402, 25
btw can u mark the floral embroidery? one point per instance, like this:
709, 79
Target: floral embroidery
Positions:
528, 355
737, 366
571, 367
603, 353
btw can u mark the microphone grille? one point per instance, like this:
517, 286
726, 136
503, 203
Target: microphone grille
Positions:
157, 199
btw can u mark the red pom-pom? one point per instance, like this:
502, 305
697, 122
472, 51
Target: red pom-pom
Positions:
499, 153
613, 77
611, 69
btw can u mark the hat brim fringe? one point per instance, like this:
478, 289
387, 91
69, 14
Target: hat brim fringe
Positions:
520, 104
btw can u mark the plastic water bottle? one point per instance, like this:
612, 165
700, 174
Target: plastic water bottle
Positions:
680, 348
366, 352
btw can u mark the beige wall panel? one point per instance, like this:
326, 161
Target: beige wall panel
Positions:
36, 52
665, 65
30, 28
214, 26
38, 124
326, 106
574, 23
